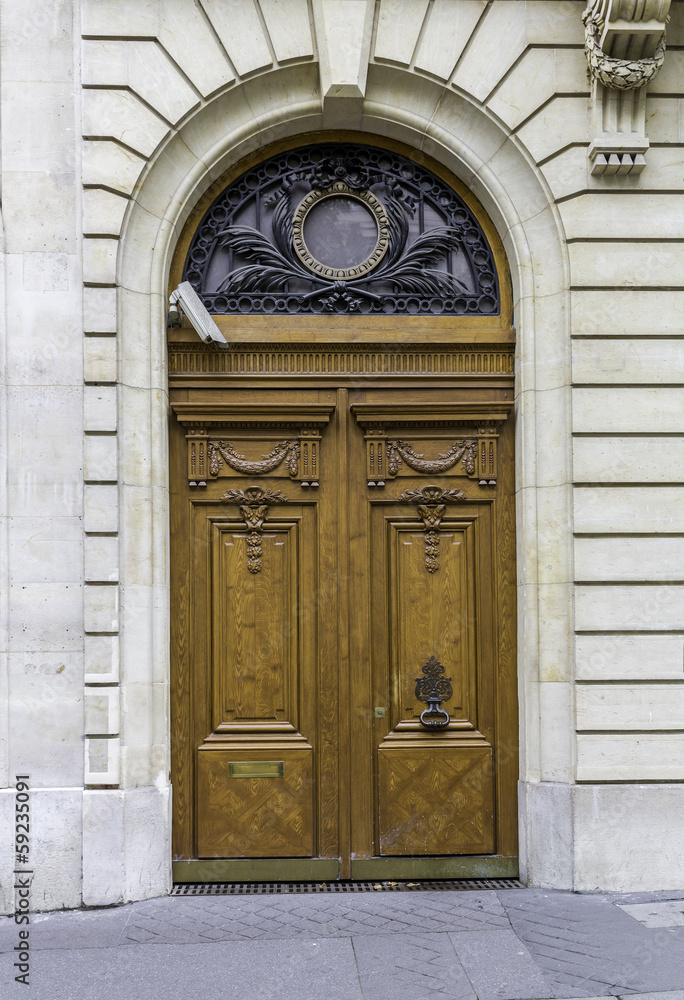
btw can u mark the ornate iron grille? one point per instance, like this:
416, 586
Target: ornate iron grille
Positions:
342, 228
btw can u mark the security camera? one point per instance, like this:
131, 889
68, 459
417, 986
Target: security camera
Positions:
186, 300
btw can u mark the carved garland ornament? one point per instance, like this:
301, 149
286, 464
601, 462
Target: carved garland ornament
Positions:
253, 503
616, 74
431, 502
283, 451
398, 450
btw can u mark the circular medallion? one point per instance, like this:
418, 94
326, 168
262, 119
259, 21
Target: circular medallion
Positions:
339, 233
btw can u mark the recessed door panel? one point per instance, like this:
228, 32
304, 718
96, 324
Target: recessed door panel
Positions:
255, 625
436, 800
254, 804
431, 613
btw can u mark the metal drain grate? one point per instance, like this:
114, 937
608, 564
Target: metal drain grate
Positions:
266, 888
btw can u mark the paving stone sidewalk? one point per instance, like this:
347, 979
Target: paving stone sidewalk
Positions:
517, 944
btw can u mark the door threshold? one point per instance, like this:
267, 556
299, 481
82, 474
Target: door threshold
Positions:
452, 867
229, 870
257, 870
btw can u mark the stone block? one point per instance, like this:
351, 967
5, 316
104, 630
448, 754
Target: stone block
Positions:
398, 30
56, 854
608, 215
39, 212
499, 40
289, 28
663, 118
553, 24
100, 458
46, 272
625, 559
625, 313
147, 848
629, 657
145, 712
38, 42
447, 32
556, 741
99, 310
47, 466
46, 616
242, 35
561, 121
623, 707
45, 550
624, 265
546, 815
102, 711
103, 859
111, 165
630, 757
40, 118
628, 837
145, 658
101, 508
126, 18
46, 717
101, 659
101, 559
628, 362
102, 761
120, 115
103, 212
101, 608
100, 359
629, 607
628, 459
187, 37
99, 261
99, 408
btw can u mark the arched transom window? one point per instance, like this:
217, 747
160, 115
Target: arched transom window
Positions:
342, 228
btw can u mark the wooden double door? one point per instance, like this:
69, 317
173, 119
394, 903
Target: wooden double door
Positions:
343, 631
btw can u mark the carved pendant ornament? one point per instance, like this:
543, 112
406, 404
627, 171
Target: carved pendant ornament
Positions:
253, 503
431, 502
434, 688
341, 228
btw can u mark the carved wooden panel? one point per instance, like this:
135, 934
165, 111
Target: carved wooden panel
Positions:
245, 817
436, 800
255, 625
431, 614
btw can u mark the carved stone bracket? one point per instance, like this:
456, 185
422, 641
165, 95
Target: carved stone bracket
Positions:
253, 504
431, 502
625, 46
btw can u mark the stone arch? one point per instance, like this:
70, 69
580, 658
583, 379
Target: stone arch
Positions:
493, 163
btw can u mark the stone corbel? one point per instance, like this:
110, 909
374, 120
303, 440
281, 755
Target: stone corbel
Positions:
625, 46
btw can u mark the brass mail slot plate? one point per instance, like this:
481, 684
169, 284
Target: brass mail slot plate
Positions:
256, 769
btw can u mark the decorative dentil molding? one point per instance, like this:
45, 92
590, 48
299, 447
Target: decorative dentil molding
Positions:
625, 47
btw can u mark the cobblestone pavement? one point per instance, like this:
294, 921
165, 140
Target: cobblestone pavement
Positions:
518, 944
